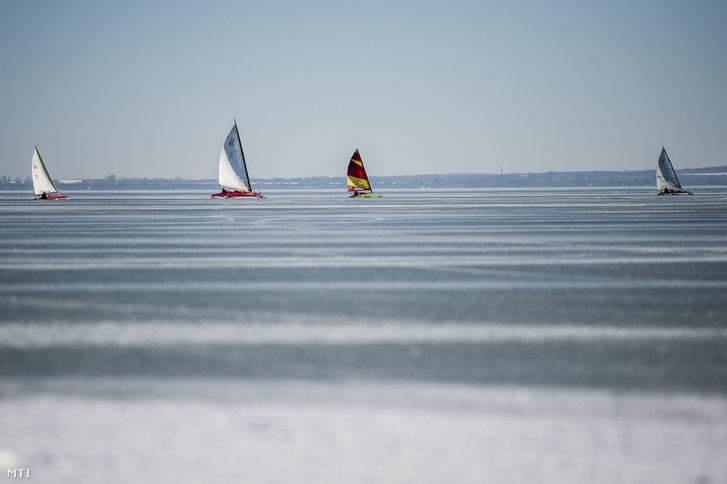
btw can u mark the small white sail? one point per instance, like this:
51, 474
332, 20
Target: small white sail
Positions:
666, 177
42, 182
232, 164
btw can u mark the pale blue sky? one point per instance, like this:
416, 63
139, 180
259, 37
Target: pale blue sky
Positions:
150, 88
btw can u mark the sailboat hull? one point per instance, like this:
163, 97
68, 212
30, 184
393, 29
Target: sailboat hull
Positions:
365, 195
53, 197
237, 195
668, 191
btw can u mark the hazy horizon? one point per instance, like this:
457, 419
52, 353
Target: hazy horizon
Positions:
342, 177
150, 89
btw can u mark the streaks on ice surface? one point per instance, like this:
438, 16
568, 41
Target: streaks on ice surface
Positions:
38, 335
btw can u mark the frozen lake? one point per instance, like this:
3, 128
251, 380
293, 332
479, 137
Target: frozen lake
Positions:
548, 335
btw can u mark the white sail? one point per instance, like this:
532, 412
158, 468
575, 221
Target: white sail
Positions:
42, 182
232, 172
666, 177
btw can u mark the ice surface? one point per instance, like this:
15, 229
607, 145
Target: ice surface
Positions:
469, 336
190, 430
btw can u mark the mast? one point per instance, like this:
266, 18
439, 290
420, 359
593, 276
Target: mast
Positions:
371, 189
244, 163
42, 163
672, 167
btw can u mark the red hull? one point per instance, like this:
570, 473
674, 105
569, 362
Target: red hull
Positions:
54, 197
237, 194
668, 191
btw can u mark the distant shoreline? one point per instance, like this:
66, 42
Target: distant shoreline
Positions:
710, 176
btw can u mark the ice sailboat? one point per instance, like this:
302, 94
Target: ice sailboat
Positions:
233, 176
358, 181
43, 184
667, 181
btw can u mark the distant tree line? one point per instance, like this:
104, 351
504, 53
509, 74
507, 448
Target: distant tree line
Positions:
713, 176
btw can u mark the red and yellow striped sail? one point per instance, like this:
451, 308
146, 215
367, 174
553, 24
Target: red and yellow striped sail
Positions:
356, 174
